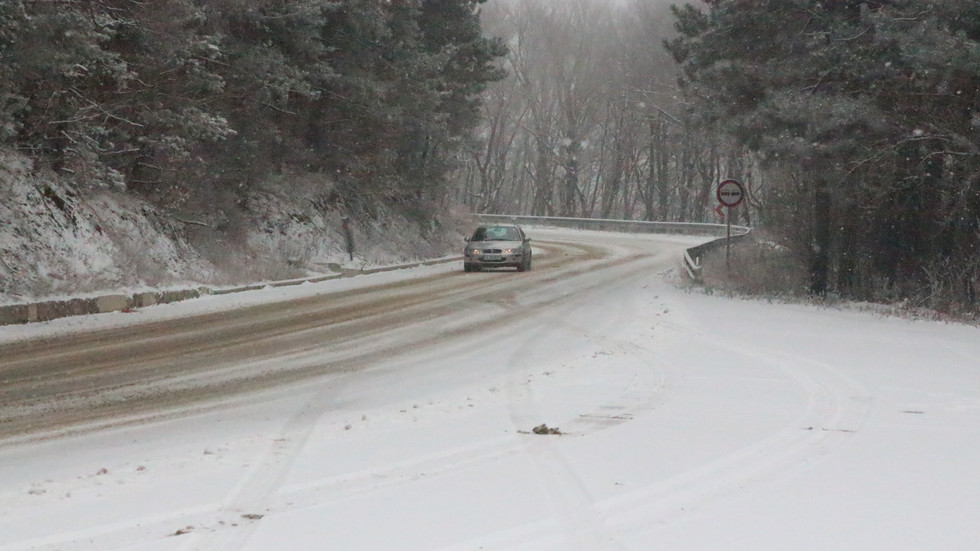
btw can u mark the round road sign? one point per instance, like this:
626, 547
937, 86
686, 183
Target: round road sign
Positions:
730, 193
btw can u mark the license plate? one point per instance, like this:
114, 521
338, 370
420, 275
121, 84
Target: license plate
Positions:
492, 257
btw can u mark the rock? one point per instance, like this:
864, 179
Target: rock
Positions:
545, 429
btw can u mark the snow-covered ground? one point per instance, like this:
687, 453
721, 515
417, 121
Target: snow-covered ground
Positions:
686, 421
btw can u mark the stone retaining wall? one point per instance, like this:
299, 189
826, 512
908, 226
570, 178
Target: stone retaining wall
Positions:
54, 309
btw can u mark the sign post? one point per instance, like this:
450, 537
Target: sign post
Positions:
730, 194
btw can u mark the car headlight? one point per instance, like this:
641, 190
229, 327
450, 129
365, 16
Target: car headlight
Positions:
473, 251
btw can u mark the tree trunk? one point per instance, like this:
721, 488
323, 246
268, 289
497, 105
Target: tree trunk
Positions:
822, 223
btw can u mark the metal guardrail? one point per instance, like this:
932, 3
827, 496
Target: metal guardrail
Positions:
605, 224
691, 258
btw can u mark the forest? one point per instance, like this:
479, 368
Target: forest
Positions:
854, 125
189, 103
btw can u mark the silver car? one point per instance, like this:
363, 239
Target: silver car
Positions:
497, 246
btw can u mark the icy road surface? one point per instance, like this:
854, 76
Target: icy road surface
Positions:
395, 412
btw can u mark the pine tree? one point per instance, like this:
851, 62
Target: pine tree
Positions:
192, 102
871, 104
108, 90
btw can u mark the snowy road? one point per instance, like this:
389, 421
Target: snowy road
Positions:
395, 412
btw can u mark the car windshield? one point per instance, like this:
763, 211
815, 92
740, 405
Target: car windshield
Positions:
497, 233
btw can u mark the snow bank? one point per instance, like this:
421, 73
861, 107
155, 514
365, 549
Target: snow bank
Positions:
57, 243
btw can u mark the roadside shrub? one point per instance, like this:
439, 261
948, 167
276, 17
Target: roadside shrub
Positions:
757, 266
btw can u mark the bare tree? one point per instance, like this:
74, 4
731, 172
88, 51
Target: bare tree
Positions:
588, 122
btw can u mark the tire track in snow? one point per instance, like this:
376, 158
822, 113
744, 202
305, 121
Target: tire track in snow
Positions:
243, 508
837, 407
582, 524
